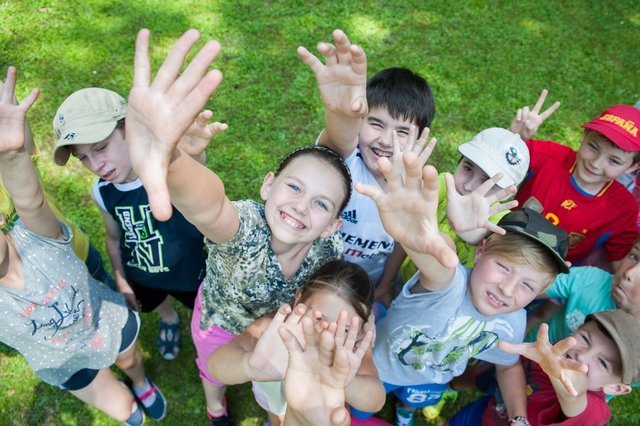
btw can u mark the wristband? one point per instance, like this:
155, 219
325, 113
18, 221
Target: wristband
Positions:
520, 419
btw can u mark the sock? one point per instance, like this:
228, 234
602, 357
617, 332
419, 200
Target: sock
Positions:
136, 417
146, 393
404, 415
218, 413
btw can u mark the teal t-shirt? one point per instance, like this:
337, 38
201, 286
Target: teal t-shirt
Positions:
583, 291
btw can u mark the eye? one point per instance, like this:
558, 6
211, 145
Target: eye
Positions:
322, 205
528, 286
467, 169
593, 147
615, 162
585, 339
294, 187
100, 147
80, 157
603, 363
503, 266
403, 133
633, 256
375, 124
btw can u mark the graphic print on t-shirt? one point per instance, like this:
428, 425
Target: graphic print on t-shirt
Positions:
141, 237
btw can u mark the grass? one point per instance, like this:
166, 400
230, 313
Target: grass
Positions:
483, 59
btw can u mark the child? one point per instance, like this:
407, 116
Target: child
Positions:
317, 377
578, 191
491, 152
259, 255
69, 327
82, 247
447, 314
360, 117
335, 289
561, 390
586, 289
153, 261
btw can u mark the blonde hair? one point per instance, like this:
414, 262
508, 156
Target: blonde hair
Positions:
522, 250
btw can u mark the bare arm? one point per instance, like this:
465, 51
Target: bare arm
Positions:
112, 243
342, 81
513, 386
18, 173
384, 288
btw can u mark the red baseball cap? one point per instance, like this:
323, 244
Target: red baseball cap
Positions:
619, 124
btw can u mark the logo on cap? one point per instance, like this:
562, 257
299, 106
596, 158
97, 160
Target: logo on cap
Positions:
69, 136
513, 156
627, 125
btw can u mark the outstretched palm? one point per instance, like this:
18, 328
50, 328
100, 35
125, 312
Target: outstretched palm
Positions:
159, 112
12, 115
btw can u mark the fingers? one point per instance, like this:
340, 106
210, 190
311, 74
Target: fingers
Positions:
310, 59
142, 68
29, 100
290, 341
564, 345
340, 417
515, 348
413, 172
540, 101
568, 384
195, 71
170, 68
9, 86
155, 183
296, 314
282, 313
488, 184
550, 110
373, 192
364, 344
343, 46
327, 345
492, 227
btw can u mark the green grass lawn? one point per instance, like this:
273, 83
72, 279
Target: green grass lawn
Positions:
483, 59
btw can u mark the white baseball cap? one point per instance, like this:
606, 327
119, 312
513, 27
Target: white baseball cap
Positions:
496, 150
87, 116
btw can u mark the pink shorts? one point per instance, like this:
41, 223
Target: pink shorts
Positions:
206, 341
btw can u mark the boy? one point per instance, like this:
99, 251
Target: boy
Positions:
152, 260
561, 389
578, 191
361, 130
448, 314
491, 152
585, 290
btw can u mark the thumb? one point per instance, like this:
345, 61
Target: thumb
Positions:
340, 417
154, 181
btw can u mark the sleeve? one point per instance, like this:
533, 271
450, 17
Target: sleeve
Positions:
518, 322
626, 232
97, 196
597, 413
562, 285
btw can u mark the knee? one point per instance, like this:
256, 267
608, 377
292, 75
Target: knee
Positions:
129, 361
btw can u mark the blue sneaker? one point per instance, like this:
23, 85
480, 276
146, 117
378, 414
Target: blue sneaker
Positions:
152, 400
137, 416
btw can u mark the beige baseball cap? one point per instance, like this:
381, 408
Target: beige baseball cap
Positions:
497, 150
87, 116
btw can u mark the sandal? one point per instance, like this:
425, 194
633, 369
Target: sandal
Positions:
169, 347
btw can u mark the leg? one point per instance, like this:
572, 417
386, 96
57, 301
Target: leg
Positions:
275, 420
131, 364
166, 311
108, 395
214, 396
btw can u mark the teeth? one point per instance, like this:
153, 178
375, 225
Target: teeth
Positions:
381, 153
495, 300
292, 222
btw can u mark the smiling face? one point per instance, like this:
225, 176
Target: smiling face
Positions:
468, 177
599, 161
375, 138
302, 203
108, 159
498, 286
625, 290
600, 353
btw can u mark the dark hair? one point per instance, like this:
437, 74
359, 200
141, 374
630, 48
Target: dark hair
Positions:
404, 94
344, 279
120, 124
331, 158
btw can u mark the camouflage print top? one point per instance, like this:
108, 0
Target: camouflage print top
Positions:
244, 280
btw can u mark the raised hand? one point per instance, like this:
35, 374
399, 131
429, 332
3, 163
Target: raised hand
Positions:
346, 336
13, 115
342, 79
270, 357
409, 209
198, 136
527, 121
550, 357
472, 211
316, 377
160, 111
